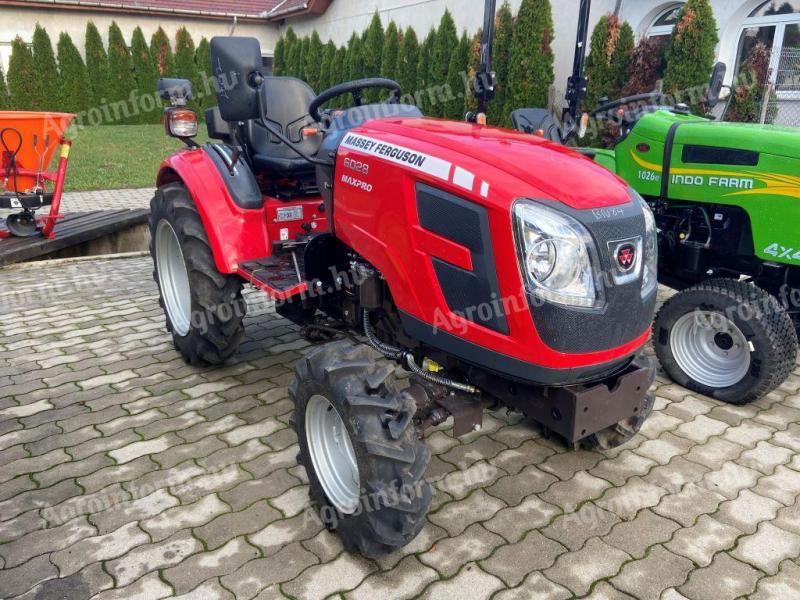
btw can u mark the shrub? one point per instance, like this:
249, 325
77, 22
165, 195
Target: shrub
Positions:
454, 106
74, 78
690, 53
292, 57
501, 58
391, 51
355, 58
4, 99
120, 71
313, 60
446, 43
643, 70
609, 59
96, 66
531, 71
408, 62
161, 53
21, 76
748, 96
305, 45
46, 93
339, 62
144, 72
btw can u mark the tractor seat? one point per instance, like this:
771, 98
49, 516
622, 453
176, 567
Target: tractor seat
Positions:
288, 100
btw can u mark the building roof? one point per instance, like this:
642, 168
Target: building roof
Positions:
245, 9
293, 8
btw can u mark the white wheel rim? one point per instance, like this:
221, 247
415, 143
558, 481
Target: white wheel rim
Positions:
332, 454
710, 348
173, 278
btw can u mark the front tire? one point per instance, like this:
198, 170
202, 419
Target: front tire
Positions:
204, 308
358, 444
726, 339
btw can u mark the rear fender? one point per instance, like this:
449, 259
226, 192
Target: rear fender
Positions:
236, 235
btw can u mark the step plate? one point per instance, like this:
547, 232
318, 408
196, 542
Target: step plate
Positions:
277, 275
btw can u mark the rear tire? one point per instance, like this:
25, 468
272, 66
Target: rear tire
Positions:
374, 495
204, 308
726, 339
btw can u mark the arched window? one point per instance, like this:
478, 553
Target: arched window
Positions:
776, 25
662, 26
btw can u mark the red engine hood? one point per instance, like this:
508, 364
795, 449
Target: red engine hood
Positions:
554, 172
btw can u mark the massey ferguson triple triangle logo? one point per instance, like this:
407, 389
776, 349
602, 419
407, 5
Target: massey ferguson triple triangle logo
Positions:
626, 256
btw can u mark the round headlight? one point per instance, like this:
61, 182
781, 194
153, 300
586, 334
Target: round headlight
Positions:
542, 260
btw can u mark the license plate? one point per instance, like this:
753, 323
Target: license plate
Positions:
290, 213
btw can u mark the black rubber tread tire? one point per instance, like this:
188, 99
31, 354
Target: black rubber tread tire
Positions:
218, 330
770, 330
361, 387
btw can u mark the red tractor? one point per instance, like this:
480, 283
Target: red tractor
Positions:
498, 268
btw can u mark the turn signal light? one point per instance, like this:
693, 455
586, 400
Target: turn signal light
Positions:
180, 122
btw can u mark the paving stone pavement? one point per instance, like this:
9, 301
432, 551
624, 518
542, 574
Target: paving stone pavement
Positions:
125, 473
102, 200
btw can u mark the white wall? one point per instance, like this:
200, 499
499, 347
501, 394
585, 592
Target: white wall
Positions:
16, 21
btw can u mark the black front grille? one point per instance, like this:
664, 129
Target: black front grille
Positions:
624, 315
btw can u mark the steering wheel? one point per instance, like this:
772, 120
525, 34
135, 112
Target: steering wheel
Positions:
355, 88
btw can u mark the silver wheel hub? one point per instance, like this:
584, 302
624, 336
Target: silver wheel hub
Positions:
332, 454
710, 348
173, 278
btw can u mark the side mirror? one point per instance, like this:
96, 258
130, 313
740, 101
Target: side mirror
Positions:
177, 91
236, 65
715, 87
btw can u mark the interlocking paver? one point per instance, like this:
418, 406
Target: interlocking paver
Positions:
578, 571
768, 547
146, 464
725, 579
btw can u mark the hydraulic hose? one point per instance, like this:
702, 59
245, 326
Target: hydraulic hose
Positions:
399, 354
11, 168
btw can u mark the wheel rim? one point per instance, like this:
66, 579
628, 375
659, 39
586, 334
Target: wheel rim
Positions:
173, 278
710, 348
332, 454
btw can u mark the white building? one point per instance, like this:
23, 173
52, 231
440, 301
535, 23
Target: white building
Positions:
741, 22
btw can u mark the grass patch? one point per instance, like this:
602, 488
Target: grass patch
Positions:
119, 156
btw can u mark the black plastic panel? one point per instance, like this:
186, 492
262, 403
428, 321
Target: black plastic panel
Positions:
712, 155
473, 294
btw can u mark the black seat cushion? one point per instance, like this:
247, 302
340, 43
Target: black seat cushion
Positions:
288, 100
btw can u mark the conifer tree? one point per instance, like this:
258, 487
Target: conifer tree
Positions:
20, 76
74, 80
690, 53
374, 38
313, 62
339, 62
454, 106
96, 66
446, 44
290, 38
4, 100
144, 73
424, 73
305, 47
185, 65
292, 57
46, 93
206, 95
501, 57
609, 58
408, 62
391, 51
531, 70
326, 69
279, 57
120, 71
473, 66
161, 53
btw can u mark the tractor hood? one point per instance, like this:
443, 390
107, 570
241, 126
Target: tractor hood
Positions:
696, 131
537, 168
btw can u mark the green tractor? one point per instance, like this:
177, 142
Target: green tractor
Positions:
726, 198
